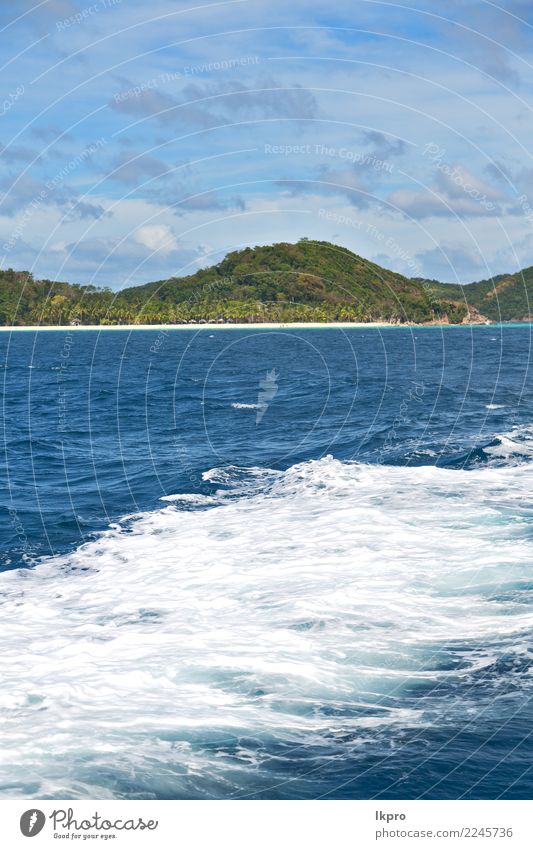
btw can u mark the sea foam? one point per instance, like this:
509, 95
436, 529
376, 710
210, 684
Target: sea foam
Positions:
181, 652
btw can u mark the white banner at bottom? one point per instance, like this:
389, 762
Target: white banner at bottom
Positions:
267, 824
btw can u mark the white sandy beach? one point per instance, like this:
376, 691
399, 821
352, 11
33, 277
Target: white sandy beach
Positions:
265, 326
297, 325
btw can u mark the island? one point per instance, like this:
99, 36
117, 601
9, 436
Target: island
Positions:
309, 282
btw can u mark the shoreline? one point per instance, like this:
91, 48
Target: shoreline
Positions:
257, 326
236, 326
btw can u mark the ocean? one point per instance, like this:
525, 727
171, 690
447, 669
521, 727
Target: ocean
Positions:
283, 564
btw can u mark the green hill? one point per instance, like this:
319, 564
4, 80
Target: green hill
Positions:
315, 281
507, 297
307, 281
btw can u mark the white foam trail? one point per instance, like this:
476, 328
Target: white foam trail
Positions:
274, 616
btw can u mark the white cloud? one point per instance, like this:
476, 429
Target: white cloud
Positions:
156, 237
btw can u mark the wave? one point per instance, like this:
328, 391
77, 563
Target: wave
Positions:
238, 406
327, 608
512, 447
509, 449
192, 498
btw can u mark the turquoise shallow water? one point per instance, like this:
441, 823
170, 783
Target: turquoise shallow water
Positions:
333, 598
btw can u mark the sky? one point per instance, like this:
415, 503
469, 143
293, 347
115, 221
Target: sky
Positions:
146, 140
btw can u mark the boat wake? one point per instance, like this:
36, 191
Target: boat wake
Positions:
334, 609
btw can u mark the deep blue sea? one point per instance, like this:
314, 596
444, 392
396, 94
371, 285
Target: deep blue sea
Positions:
267, 564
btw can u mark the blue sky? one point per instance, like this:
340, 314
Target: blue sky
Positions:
143, 140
